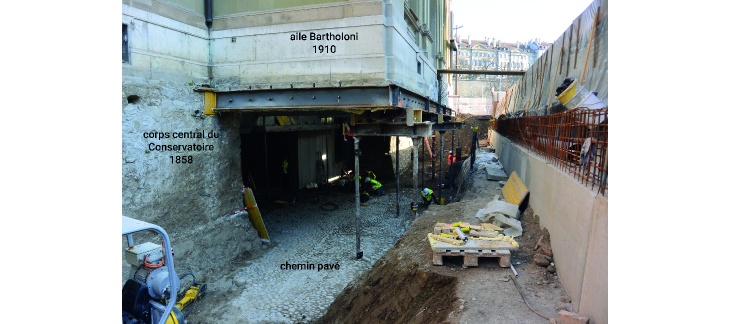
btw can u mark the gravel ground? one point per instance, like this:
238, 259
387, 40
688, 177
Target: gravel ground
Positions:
308, 233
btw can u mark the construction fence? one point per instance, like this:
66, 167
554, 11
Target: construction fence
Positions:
576, 141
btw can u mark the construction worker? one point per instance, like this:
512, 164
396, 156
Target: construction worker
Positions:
364, 197
371, 175
427, 195
452, 158
377, 188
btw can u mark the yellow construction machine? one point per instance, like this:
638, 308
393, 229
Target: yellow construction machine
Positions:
151, 293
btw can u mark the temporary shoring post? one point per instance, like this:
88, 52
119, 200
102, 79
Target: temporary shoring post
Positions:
441, 163
451, 168
358, 253
397, 175
266, 162
474, 141
414, 158
423, 166
433, 162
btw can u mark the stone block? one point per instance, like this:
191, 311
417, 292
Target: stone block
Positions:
496, 173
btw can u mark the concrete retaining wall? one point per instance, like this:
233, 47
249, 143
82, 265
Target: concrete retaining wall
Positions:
577, 219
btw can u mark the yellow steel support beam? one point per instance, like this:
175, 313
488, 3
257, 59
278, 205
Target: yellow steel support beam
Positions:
208, 102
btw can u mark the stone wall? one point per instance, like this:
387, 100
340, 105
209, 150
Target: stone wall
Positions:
405, 148
185, 192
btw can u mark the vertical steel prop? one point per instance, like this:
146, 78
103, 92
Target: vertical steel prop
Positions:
397, 175
416, 192
266, 164
451, 168
358, 253
433, 161
423, 167
441, 167
474, 141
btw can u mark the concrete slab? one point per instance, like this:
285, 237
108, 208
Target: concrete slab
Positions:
495, 173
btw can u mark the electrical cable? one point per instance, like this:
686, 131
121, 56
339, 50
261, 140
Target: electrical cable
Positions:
525, 299
153, 265
195, 282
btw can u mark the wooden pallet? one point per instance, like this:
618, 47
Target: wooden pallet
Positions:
471, 257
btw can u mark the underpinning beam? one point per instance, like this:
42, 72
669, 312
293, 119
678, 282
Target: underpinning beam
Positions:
351, 99
446, 126
296, 128
417, 130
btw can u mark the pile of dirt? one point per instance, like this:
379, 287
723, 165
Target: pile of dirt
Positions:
535, 242
402, 287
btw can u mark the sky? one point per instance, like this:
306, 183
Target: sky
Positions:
507, 19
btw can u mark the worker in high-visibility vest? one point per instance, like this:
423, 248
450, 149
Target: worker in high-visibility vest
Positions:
376, 187
427, 195
371, 175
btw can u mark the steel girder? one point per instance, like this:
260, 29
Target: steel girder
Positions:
351, 99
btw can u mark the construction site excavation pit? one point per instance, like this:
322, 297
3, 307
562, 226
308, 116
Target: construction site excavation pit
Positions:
310, 259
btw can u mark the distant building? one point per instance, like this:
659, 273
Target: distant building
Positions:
492, 54
476, 94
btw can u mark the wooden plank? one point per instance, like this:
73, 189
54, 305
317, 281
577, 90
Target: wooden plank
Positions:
588, 54
595, 45
494, 245
570, 43
577, 44
514, 191
441, 239
471, 245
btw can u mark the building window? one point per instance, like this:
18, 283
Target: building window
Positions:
125, 44
419, 67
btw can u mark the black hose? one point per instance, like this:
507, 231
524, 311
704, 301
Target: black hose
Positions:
189, 274
525, 299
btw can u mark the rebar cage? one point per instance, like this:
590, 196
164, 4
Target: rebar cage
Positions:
576, 141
